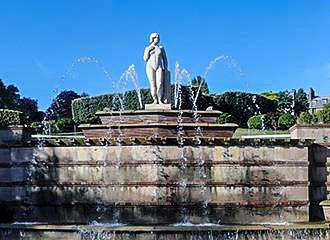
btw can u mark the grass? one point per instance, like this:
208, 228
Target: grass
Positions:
245, 131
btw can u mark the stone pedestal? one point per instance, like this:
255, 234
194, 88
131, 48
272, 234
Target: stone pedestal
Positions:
157, 107
158, 121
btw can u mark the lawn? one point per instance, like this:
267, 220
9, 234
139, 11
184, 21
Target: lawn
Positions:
246, 131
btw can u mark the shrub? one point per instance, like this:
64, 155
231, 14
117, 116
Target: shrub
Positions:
322, 116
304, 118
286, 121
326, 115
255, 122
64, 125
37, 127
10, 117
326, 106
225, 118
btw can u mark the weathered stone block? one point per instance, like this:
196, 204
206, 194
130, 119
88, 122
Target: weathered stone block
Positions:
5, 155
20, 155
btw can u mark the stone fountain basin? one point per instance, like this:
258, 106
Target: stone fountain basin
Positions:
260, 231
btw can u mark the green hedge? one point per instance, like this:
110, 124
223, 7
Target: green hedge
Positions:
10, 117
242, 105
84, 109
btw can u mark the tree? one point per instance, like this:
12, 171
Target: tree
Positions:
8, 96
300, 102
61, 105
199, 81
29, 107
293, 102
285, 102
270, 95
11, 99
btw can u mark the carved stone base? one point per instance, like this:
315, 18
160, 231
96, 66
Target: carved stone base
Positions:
157, 106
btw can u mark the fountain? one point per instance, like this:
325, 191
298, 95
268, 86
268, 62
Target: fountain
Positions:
159, 173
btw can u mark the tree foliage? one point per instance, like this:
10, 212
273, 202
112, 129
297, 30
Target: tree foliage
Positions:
293, 102
11, 99
242, 105
29, 108
270, 95
255, 122
225, 118
61, 105
199, 82
9, 96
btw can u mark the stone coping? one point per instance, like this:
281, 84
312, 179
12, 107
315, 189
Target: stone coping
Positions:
156, 111
325, 203
168, 228
161, 124
296, 126
13, 127
71, 142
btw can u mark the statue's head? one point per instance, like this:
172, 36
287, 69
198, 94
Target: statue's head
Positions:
154, 37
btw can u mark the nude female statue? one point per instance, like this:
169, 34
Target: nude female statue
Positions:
156, 69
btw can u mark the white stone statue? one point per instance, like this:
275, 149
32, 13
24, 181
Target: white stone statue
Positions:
156, 69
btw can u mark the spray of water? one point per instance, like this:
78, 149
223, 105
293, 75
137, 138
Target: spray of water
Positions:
230, 62
131, 74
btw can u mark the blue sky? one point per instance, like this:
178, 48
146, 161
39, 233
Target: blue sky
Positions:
280, 44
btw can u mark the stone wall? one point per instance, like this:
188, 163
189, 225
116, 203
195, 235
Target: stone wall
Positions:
319, 158
14, 133
319, 132
232, 182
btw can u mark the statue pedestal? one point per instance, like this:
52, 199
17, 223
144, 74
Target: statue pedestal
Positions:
158, 122
157, 107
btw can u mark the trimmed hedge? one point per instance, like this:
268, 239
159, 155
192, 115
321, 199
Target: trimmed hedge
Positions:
84, 109
10, 117
242, 105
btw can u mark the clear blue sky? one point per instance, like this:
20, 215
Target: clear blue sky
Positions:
280, 44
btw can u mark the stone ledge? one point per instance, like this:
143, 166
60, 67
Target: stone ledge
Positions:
148, 228
165, 111
169, 141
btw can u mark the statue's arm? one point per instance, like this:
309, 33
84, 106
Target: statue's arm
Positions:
146, 53
164, 58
